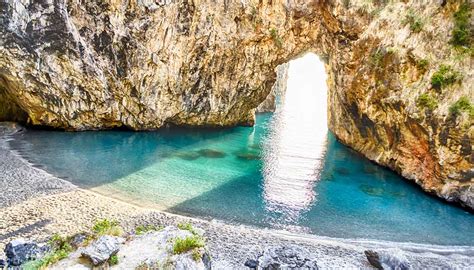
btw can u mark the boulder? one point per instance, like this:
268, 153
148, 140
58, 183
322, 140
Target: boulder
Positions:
101, 250
20, 251
388, 259
283, 257
251, 263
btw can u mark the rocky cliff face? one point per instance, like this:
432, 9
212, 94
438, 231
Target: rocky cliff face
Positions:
278, 90
143, 63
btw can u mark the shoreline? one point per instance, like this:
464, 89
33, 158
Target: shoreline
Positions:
64, 208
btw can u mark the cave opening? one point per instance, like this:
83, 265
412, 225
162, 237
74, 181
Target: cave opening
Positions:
298, 138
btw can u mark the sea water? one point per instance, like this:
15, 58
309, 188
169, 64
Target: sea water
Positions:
287, 172
242, 175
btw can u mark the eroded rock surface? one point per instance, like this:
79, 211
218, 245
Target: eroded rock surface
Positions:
283, 257
141, 64
278, 90
387, 259
101, 250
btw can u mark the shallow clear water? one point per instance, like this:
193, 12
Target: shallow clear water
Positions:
287, 172
221, 174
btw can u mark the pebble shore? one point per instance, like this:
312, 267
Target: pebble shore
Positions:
34, 205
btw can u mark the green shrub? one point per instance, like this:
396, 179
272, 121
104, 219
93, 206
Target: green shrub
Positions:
113, 260
427, 101
141, 229
186, 226
276, 38
60, 249
415, 22
196, 254
182, 245
107, 227
461, 34
462, 105
445, 76
422, 64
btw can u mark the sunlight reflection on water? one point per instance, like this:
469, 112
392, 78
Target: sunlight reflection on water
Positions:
296, 147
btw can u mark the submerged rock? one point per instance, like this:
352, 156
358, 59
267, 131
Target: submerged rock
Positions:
101, 250
372, 191
20, 251
393, 259
283, 257
247, 155
188, 155
210, 153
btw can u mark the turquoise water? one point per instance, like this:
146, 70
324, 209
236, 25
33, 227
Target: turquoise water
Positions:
287, 172
232, 175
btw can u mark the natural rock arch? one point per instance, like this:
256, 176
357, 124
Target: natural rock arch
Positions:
144, 63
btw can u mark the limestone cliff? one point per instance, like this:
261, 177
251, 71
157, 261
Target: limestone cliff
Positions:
278, 89
140, 64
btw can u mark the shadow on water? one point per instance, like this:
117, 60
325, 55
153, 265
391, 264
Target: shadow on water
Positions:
226, 202
366, 201
94, 158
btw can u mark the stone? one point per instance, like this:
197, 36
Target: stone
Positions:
101, 249
388, 259
9, 128
155, 249
251, 263
78, 240
285, 257
20, 251
206, 260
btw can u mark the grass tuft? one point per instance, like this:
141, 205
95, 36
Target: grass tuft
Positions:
462, 105
461, 34
415, 22
113, 260
60, 249
187, 227
445, 76
107, 227
141, 229
422, 65
182, 245
427, 101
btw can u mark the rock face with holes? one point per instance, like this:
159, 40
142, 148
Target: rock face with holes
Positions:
140, 64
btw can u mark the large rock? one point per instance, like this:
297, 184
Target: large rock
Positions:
387, 259
283, 257
101, 249
20, 251
98, 64
9, 128
278, 90
155, 250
